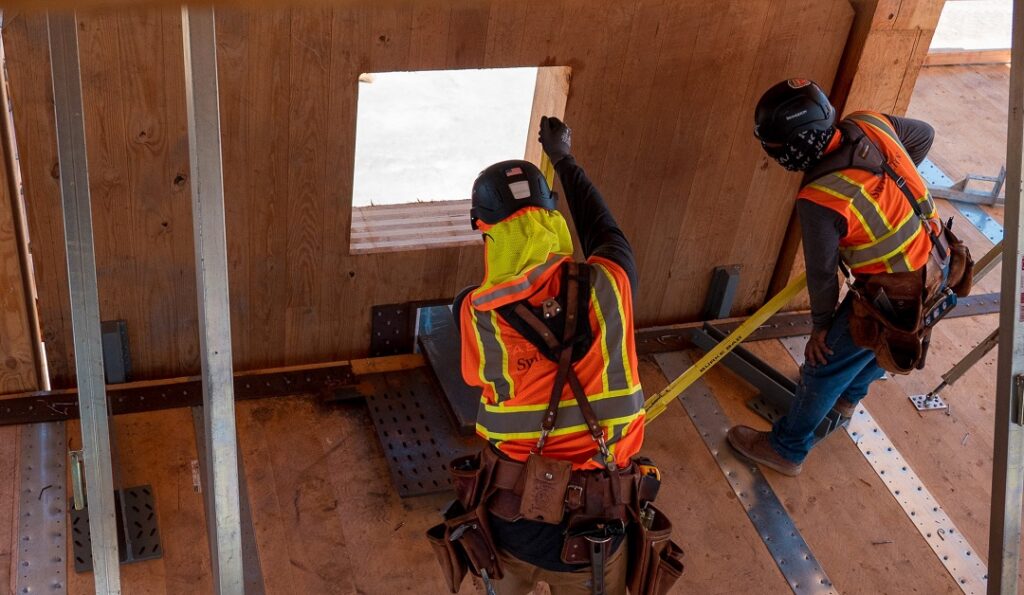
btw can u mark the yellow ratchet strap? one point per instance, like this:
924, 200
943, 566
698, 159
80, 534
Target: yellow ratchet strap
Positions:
659, 402
548, 169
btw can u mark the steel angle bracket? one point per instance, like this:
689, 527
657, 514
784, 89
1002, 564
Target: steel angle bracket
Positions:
786, 545
775, 391
988, 226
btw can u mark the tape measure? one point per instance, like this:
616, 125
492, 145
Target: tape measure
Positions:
659, 402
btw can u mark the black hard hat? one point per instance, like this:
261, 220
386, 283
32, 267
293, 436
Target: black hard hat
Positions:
791, 107
506, 187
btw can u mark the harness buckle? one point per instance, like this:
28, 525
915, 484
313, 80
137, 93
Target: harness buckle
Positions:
540, 441
900, 182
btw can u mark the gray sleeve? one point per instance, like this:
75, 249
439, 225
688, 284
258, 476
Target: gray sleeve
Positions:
916, 136
822, 228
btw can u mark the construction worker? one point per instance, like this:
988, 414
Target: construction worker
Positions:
550, 343
853, 214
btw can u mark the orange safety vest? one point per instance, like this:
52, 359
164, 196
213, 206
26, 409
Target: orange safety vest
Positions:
883, 234
517, 380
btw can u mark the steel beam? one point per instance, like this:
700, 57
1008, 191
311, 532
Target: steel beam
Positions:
1008, 458
85, 310
202, 102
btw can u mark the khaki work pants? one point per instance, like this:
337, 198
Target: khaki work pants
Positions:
522, 578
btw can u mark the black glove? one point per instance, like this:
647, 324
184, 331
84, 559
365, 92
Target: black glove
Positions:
556, 138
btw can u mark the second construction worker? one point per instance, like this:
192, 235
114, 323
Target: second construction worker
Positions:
558, 496
865, 209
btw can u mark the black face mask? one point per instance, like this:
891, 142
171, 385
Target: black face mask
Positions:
802, 151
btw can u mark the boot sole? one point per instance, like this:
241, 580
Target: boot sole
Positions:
787, 471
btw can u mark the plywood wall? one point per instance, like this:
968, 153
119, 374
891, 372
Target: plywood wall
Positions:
660, 100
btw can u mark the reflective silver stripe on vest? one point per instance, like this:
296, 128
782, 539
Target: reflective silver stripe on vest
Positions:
887, 248
493, 355
521, 285
497, 422
612, 325
835, 185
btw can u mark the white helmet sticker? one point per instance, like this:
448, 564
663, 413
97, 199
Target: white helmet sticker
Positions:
520, 190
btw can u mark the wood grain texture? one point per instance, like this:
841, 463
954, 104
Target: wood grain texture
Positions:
660, 102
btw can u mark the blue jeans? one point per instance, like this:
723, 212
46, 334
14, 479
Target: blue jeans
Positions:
848, 374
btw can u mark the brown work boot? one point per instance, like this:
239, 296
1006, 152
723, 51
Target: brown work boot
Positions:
845, 408
754, 445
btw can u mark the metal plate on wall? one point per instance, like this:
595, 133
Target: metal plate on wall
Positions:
415, 432
392, 329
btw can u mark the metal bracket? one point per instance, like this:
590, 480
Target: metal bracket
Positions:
722, 293
138, 538
929, 402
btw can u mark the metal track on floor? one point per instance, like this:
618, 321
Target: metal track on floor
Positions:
949, 544
783, 540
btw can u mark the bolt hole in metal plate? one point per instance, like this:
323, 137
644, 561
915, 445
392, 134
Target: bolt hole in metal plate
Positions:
950, 546
415, 432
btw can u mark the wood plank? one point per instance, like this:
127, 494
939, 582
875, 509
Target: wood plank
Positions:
307, 513
9, 457
959, 57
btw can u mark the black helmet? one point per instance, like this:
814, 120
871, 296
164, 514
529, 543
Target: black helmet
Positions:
506, 187
791, 107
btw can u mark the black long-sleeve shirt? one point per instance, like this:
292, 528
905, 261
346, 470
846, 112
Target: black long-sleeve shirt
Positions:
596, 228
822, 228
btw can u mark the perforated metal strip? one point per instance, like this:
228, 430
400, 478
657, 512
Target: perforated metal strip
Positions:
988, 226
948, 543
42, 531
784, 542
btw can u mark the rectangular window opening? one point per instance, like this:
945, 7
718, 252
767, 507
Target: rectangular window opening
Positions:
421, 139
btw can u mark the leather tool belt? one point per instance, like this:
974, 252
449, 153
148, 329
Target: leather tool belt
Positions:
596, 505
894, 313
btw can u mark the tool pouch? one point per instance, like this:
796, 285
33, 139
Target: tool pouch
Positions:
655, 561
470, 535
453, 563
961, 265
900, 339
468, 479
545, 481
